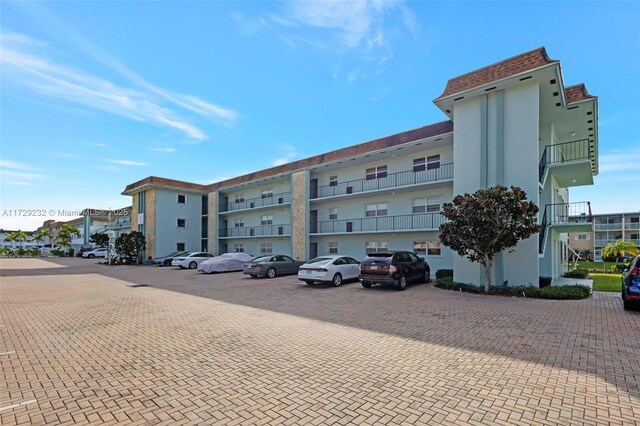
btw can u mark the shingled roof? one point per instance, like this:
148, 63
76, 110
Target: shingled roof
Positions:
499, 71
431, 130
577, 93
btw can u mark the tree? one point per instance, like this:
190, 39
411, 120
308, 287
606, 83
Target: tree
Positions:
41, 235
618, 248
487, 222
66, 234
101, 239
130, 245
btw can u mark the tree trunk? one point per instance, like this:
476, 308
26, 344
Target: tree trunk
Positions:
488, 265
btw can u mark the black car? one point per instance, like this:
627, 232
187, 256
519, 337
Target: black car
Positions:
393, 267
631, 284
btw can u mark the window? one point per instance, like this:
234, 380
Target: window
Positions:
267, 193
239, 198
420, 247
182, 199
374, 246
266, 248
181, 223
333, 247
418, 165
634, 236
333, 213
238, 223
634, 220
425, 205
433, 248
239, 248
584, 237
205, 205
379, 209
378, 172
433, 162
266, 220
333, 180
180, 247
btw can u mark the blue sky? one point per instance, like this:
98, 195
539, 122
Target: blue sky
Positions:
96, 95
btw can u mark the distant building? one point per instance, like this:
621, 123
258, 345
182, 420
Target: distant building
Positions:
607, 228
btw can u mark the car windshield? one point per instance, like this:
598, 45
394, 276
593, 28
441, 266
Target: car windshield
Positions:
173, 253
262, 259
320, 261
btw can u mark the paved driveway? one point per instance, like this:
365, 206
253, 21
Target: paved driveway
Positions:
80, 345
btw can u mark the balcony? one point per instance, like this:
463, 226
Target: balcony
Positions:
570, 163
608, 226
402, 223
283, 230
632, 225
255, 203
407, 178
565, 217
120, 224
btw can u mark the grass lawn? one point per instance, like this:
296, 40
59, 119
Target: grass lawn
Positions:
607, 282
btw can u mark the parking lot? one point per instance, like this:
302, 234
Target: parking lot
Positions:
84, 343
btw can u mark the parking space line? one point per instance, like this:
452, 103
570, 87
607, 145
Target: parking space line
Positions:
7, 353
18, 405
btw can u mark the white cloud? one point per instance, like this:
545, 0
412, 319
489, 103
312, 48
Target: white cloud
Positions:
23, 175
145, 102
14, 165
129, 162
289, 153
16, 183
167, 150
99, 145
620, 160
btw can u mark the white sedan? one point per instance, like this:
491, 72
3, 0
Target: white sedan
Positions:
191, 260
99, 252
333, 268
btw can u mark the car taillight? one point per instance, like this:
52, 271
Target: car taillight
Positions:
634, 272
393, 269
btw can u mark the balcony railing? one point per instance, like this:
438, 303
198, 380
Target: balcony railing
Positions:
632, 225
256, 231
392, 180
607, 226
120, 224
252, 203
409, 222
568, 213
563, 152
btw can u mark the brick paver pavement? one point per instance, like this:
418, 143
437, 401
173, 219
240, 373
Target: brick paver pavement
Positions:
225, 349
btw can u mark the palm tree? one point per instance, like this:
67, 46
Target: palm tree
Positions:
66, 234
40, 235
618, 248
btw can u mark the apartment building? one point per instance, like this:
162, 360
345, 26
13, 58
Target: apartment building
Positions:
512, 123
607, 228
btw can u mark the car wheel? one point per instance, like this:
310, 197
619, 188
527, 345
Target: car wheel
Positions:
337, 280
167, 263
181, 267
253, 276
402, 283
309, 282
427, 276
627, 304
366, 285
193, 265
271, 273
91, 256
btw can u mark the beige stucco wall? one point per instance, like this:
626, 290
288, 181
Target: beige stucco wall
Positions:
299, 200
134, 211
212, 231
150, 222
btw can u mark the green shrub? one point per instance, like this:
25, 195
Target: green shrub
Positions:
71, 252
442, 273
577, 273
55, 252
567, 292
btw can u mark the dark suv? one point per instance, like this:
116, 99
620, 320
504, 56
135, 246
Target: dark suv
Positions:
393, 267
631, 284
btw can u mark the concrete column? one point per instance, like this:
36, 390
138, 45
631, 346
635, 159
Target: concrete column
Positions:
150, 222
300, 214
212, 234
